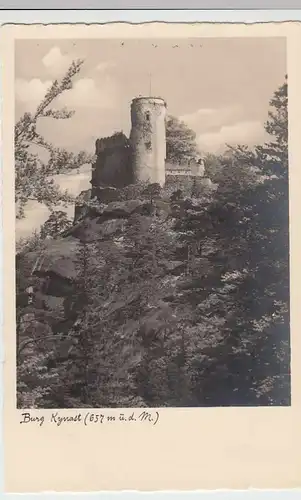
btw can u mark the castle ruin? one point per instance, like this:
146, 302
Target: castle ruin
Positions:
122, 161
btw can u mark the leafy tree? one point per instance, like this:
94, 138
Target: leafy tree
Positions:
34, 175
213, 166
180, 141
56, 223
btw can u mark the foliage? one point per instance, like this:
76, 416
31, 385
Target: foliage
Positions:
180, 141
34, 176
152, 191
56, 223
29, 243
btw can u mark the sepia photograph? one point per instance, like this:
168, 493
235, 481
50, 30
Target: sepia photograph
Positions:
152, 222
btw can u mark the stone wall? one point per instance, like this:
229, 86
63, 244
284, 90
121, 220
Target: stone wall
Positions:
121, 161
193, 168
113, 166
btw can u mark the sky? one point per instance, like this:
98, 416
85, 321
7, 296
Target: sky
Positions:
220, 87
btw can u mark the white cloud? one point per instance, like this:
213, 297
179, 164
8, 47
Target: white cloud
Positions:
210, 117
32, 91
216, 127
86, 93
198, 114
55, 62
248, 132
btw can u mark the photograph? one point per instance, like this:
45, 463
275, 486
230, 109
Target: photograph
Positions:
151, 222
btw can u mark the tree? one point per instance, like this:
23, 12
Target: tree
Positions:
241, 297
213, 166
277, 126
28, 243
152, 191
56, 223
253, 216
33, 175
180, 141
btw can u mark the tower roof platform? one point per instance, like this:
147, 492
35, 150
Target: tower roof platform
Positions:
154, 99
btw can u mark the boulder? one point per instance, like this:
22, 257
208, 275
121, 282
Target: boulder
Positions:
163, 208
145, 209
106, 194
79, 212
175, 267
54, 305
58, 266
98, 228
58, 257
122, 209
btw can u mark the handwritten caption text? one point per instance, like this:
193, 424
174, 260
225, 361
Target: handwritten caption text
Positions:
90, 418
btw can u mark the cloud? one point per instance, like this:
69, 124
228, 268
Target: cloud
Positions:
248, 132
205, 118
32, 91
190, 117
103, 66
84, 93
55, 62
87, 93
216, 127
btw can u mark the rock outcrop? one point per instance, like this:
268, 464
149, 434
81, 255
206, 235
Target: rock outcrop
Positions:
57, 258
97, 229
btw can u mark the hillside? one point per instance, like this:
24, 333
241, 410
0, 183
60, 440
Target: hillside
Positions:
142, 302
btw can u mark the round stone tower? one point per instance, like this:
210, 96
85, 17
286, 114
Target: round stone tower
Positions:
148, 139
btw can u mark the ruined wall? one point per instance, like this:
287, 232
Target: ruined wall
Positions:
193, 168
113, 166
121, 161
148, 139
